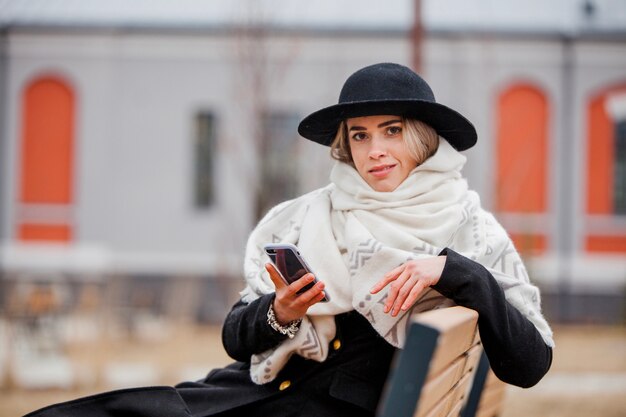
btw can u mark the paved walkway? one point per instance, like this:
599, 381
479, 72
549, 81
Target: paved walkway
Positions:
577, 383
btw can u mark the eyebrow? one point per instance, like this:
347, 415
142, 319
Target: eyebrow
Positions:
383, 124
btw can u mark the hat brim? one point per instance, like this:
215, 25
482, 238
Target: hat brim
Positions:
321, 126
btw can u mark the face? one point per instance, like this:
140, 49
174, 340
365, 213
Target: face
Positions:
379, 151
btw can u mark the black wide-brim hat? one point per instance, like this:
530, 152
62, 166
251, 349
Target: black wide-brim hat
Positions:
392, 89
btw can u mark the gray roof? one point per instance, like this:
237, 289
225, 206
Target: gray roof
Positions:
563, 16
196, 13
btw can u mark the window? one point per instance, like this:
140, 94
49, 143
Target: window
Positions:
606, 170
204, 151
46, 178
606, 160
521, 149
279, 161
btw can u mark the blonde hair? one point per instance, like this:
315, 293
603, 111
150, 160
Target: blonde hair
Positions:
421, 140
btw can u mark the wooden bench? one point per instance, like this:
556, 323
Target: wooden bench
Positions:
486, 398
431, 376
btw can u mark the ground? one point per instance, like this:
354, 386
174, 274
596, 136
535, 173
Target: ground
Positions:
588, 376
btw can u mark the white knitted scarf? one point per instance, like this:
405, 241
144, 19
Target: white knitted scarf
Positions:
351, 236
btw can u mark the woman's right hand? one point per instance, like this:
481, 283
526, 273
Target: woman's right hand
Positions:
288, 304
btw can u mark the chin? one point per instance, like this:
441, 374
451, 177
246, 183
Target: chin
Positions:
384, 188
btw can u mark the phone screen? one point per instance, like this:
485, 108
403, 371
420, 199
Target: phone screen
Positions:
288, 264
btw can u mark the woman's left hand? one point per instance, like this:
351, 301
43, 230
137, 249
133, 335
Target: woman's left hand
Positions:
408, 281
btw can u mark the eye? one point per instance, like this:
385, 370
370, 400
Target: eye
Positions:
359, 136
394, 130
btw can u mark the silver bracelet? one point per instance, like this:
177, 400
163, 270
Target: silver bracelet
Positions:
290, 329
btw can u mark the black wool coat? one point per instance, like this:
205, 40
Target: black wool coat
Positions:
349, 382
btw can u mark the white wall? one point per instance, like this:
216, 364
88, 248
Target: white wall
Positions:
137, 95
138, 92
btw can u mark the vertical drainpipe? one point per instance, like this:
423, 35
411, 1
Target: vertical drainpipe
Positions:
417, 33
4, 145
566, 206
4, 158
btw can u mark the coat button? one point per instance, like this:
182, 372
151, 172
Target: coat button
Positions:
284, 385
336, 344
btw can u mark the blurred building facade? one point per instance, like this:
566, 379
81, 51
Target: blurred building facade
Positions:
143, 149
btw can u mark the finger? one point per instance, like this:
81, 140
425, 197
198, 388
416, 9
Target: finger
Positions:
301, 282
408, 295
319, 298
394, 289
309, 296
316, 299
389, 277
417, 289
401, 299
403, 292
275, 276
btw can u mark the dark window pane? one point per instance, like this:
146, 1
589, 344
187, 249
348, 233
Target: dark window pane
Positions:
619, 178
204, 148
279, 160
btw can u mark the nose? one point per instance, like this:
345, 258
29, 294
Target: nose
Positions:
377, 148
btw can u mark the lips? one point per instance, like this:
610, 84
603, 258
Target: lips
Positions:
382, 170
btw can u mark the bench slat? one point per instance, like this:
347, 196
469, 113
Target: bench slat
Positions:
456, 411
454, 329
492, 380
473, 356
438, 385
431, 375
492, 400
493, 410
486, 398
449, 401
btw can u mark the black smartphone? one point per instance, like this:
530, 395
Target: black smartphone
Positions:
286, 258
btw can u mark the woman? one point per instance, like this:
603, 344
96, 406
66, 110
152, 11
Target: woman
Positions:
396, 232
